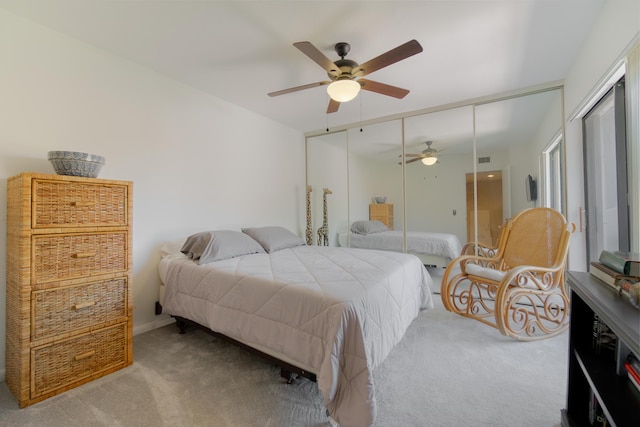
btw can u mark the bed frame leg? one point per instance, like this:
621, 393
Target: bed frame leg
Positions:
182, 326
287, 375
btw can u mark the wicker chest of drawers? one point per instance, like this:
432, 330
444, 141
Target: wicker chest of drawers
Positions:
69, 290
383, 212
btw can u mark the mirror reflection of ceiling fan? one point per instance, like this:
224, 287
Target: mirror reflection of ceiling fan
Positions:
429, 156
345, 75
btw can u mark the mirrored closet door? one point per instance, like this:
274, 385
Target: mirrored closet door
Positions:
467, 168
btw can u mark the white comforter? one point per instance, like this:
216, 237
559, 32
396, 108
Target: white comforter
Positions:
418, 242
337, 312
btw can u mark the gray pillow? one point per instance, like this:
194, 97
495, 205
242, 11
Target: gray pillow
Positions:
274, 238
368, 227
209, 246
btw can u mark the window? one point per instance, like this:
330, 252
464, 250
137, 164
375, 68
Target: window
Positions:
553, 184
605, 166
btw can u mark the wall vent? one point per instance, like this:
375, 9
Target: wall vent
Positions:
484, 159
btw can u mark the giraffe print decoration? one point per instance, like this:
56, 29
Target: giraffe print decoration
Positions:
323, 232
309, 230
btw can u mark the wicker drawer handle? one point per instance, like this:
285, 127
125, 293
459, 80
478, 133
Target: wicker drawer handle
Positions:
83, 305
81, 204
86, 355
83, 255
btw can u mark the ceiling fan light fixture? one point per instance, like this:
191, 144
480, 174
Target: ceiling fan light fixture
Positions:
430, 160
343, 90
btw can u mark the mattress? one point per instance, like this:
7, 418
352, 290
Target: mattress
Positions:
336, 312
418, 242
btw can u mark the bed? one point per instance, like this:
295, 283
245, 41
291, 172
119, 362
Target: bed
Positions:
434, 249
334, 312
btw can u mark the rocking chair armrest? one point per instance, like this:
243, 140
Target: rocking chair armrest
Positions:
540, 279
483, 250
462, 261
458, 265
492, 262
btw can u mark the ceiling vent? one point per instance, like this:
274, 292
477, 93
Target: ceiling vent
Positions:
484, 159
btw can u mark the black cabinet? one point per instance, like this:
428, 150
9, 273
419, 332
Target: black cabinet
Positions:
600, 375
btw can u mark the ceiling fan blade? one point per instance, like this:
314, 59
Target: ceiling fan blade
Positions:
383, 88
414, 155
401, 52
297, 88
410, 161
333, 106
318, 57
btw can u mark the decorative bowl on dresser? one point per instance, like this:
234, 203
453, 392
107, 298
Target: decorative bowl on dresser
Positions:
69, 290
75, 163
380, 199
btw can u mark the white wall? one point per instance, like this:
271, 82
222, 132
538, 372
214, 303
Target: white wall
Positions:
196, 162
525, 160
616, 27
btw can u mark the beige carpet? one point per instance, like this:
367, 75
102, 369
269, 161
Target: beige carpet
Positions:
446, 371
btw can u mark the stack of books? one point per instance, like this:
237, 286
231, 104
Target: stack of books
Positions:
627, 263
621, 271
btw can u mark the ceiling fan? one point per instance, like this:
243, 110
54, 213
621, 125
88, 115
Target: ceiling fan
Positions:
429, 156
345, 75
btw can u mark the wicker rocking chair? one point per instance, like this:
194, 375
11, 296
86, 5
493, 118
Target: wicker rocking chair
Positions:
520, 289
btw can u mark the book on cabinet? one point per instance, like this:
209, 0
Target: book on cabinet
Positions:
627, 286
608, 275
627, 263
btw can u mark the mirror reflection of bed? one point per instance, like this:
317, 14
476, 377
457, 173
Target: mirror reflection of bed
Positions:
435, 250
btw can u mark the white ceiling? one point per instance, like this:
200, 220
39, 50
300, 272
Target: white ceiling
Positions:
241, 50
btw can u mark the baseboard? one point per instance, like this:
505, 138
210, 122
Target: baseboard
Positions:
149, 326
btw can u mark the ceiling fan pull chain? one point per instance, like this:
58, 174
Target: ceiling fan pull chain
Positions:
327, 118
361, 113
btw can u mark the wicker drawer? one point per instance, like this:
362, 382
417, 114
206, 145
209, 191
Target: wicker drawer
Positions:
80, 204
62, 363
59, 311
69, 256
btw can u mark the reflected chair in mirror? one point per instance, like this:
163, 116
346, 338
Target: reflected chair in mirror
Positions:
483, 249
520, 289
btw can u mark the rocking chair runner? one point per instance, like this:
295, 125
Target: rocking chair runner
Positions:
520, 290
